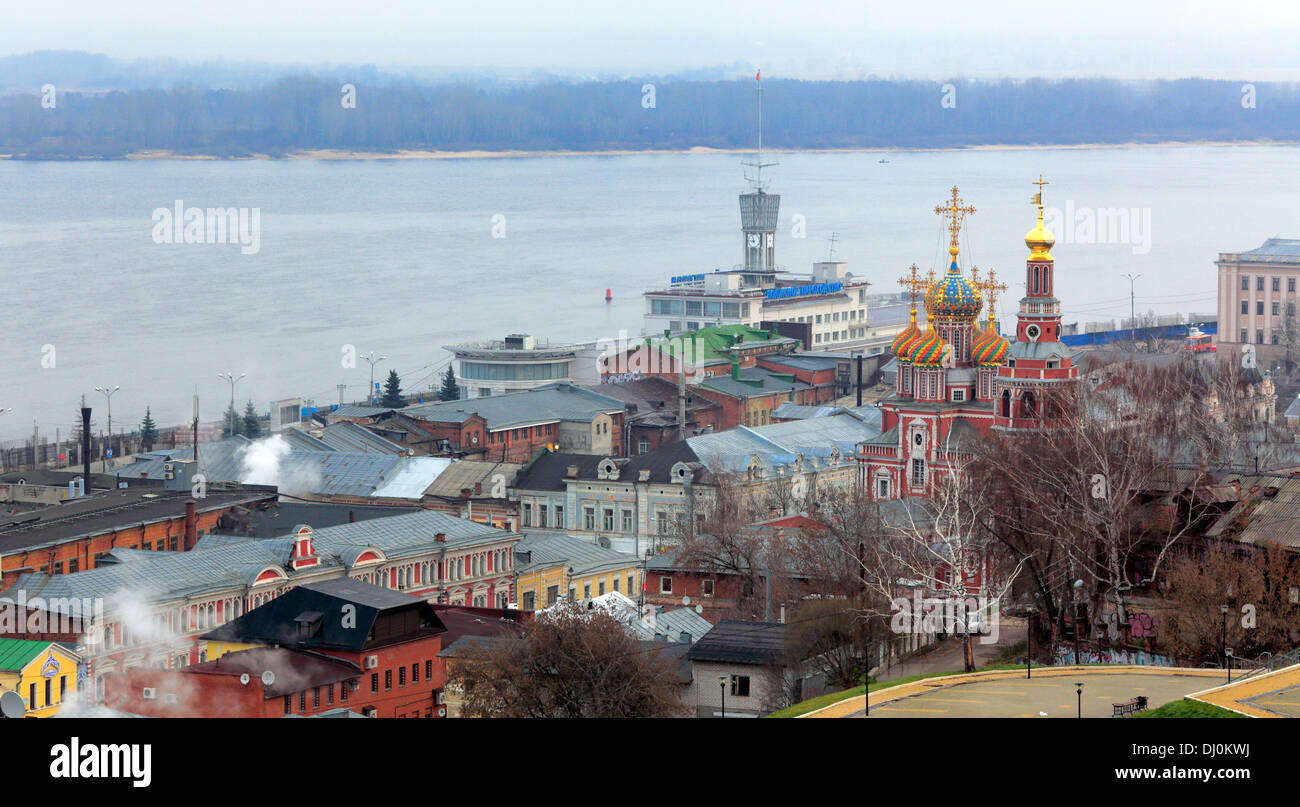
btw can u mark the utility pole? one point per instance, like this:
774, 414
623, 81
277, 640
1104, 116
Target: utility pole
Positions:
1132, 315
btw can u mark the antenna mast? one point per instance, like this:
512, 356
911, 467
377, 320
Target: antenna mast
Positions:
757, 163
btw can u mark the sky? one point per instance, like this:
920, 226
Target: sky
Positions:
815, 39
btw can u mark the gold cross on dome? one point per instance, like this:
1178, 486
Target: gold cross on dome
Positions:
912, 282
991, 289
955, 212
1038, 197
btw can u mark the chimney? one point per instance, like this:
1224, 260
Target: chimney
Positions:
85, 445
191, 525
685, 637
571, 471
478, 488
441, 537
352, 516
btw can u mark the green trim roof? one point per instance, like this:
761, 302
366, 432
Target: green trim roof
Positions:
713, 343
15, 654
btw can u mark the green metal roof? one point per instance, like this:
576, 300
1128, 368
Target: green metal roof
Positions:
18, 653
713, 343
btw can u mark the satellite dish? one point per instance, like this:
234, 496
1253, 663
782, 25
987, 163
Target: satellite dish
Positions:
268, 678
699, 609
244, 679
11, 704
686, 600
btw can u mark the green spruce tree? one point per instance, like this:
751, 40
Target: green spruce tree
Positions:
393, 392
252, 423
234, 424
450, 390
148, 431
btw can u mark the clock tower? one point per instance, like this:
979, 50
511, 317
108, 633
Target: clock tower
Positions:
1038, 364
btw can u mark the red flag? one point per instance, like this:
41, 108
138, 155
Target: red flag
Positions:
756, 75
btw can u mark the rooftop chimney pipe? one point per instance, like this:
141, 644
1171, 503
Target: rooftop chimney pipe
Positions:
85, 445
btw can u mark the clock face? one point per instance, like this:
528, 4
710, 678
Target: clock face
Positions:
769, 239
918, 438
1033, 333
753, 239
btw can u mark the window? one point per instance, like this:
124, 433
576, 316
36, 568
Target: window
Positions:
374, 682
740, 686
586, 591
600, 588
1245, 283
665, 585
31, 696
607, 520
1277, 284
1275, 339
643, 445
1259, 307
1290, 309
428, 670
559, 516
918, 472
541, 515
1245, 335
1290, 284
616, 581
663, 522
959, 395
288, 704
527, 511
302, 701
388, 680
1277, 308
627, 521
63, 687
589, 518
315, 698
884, 488
630, 584
329, 695
1259, 337
706, 588
1259, 283
530, 601
552, 594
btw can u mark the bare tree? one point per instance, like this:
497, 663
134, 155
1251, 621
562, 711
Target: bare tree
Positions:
567, 663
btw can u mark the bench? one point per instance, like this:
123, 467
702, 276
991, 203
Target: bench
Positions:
1127, 708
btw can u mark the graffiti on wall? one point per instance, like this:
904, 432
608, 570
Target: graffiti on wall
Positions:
1064, 656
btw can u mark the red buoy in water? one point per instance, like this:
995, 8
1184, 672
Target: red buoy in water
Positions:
609, 295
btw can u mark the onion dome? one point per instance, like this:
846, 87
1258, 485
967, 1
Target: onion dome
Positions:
928, 350
990, 348
1040, 240
953, 297
905, 339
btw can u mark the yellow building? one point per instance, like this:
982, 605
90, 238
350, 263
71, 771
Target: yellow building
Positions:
43, 673
549, 567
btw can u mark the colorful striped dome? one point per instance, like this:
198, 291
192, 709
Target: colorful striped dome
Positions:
905, 339
990, 348
928, 350
953, 297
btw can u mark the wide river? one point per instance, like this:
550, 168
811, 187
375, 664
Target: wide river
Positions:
404, 256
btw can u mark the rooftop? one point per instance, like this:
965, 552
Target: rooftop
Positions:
559, 401
116, 509
547, 550
294, 670
734, 642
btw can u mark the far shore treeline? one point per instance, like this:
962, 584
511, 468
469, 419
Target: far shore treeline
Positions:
303, 113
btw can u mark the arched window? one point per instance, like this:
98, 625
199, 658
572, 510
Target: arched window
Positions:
1029, 405
1006, 403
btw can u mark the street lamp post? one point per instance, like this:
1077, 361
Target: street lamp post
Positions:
232, 380
1132, 313
108, 395
1223, 609
1079, 689
722, 687
1029, 644
370, 358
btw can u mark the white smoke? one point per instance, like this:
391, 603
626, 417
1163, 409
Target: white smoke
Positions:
261, 462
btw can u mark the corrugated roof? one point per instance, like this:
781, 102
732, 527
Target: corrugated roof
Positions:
549, 550
1284, 247
560, 401
465, 474
734, 642
778, 443
15, 654
348, 436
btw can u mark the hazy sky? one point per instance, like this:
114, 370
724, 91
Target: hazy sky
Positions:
1245, 39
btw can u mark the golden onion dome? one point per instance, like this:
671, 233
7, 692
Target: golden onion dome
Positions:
990, 348
952, 297
905, 339
1040, 240
928, 350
